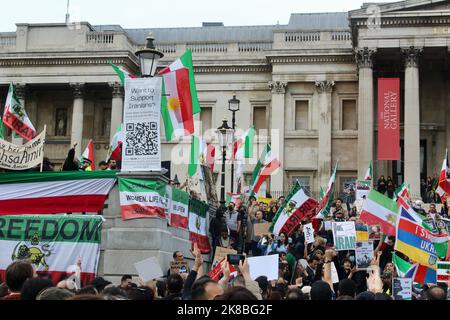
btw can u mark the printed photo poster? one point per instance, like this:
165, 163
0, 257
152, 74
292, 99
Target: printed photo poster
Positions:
344, 235
402, 288
363, 254
362, 189
375, 232
308, 230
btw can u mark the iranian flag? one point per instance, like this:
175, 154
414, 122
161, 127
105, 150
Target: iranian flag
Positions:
443, 271
208, 153
194, 159
380, 210
54, 192
198, 233
296, 206
179, 209
1, 130
181, 103
15, 116
53, 244
266, 166
369, 172
142, 198
323, 209
236, 198
115, 148
122, 73
403, 192
88, 155
243, 147
443, 188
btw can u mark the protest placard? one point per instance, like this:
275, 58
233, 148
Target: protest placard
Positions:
362, 188
443, 271
264, 200
308, 230
222, 253
327, 225
344, 235
264, 266
179, 267
261, 229
375, 232
402, 288
363, 254
148, 269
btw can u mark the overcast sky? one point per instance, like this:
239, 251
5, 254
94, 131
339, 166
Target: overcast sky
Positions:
166, 13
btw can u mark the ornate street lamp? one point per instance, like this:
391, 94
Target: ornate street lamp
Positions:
149, 57
233, 106
225, 134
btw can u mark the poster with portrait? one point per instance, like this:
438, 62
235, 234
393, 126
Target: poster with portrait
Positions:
375, 232
363, 254
402, 288
362, 188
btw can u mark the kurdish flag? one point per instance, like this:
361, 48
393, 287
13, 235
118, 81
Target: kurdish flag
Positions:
53, 243
378, 209
179, 209
88, 155
443, 271
15, 116
54, 192
296, 206
142, 198
243, 147
326, 197
198, 213
122, 73
419, 273
266, 166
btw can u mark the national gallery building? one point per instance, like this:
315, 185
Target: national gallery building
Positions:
309, 87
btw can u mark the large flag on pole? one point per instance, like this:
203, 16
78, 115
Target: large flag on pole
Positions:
443, 184
194, 159
122, 73
419, 273
266, 166
243, 147
380, 210
15, 116
369, 172
207, 153
198, 214
323, 209
115, 148
88, 155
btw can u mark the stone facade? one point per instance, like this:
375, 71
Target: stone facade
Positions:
309, 86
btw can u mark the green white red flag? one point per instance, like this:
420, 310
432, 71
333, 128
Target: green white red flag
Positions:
88, 155
380, 210
369, 172
443, 271
54, 192
15, 116
243, 147
122, 73
52, 243
179, 209
323, 209
115, 148
266, 166
198, 213
443, 188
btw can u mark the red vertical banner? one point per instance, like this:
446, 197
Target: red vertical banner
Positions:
388, 118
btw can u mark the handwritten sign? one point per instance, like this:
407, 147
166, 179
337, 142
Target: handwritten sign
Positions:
308, 230
261, 229
222, 253
179, 267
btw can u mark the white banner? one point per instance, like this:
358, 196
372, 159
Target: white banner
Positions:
141, 149
22, 157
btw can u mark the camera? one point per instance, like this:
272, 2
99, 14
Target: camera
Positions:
235, 258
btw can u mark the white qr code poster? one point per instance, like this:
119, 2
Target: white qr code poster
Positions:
141, 150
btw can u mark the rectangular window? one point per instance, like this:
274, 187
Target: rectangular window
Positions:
349, 117
301, 114
206, 119
305, 182
259, 118
61, 122
106, 127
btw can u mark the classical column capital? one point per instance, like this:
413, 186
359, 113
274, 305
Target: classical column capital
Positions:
364, 57
78, 90
117, 90
411, 56
325, 86
278, 86
21, 90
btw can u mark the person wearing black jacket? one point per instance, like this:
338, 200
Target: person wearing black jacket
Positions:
215, 228
71, 164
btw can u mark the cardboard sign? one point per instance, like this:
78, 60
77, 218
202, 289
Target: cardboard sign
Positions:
375, 232
261, 229
344, 235
149, 269
264, 266
222, 253
179, 267
402, 288
308, 230
363, 255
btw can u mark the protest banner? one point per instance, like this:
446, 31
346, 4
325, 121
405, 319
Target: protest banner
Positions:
327, 225
402, 288
261, 229
362, 188
344, 235
22, 157
52, 243
362, 232
149, 269
363, 254
142, 198
179, 267
141, 119
222, 253
308, 230
264, 266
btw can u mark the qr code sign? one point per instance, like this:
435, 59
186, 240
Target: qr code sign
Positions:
141, 139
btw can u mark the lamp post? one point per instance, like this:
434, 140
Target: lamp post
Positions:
233, 106
149, 57
224, 133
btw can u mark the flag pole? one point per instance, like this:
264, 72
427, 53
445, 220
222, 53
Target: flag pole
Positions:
45, 133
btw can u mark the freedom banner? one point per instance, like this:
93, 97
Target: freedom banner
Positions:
141, 150
142, 198
54, 192
22, 157
388, 118
52, 243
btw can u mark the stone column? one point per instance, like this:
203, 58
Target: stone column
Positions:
364, 60
20, 94
412, 120
324, 88
277, 112
77, 117
116, 107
